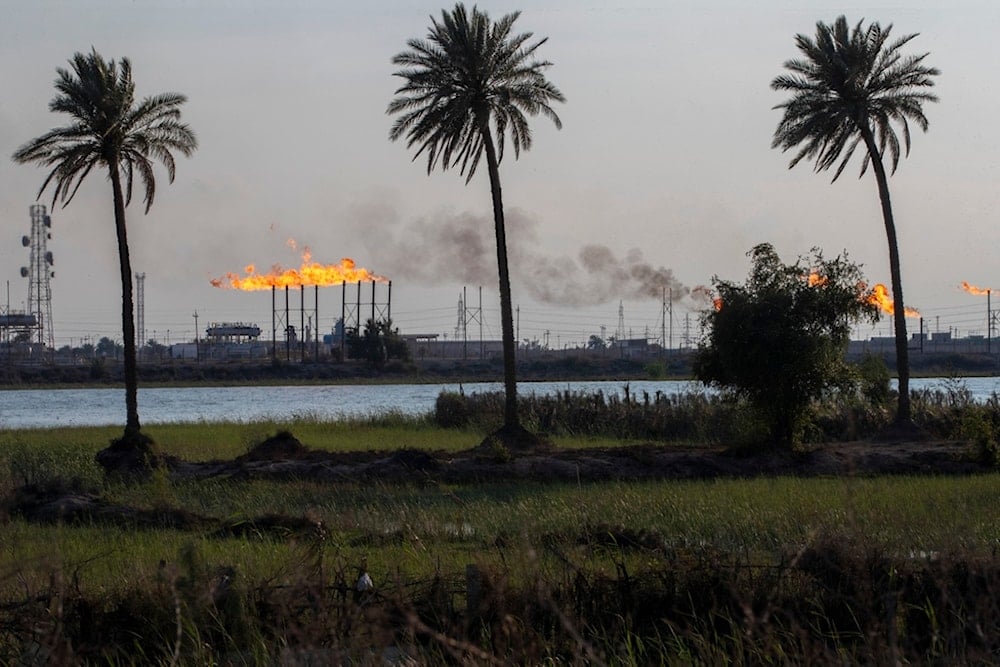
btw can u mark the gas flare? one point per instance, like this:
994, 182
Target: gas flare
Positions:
972, 289
813, 279
308, 274
816, 280
880, 297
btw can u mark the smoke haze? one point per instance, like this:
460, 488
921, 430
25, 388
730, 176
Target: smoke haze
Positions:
461, 248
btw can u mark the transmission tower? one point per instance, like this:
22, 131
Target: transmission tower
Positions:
472, 315
140, 307
39, 272
460, 325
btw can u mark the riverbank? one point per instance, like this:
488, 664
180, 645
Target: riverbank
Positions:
536, 366
239, 373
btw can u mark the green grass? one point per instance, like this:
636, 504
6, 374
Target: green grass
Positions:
398, 525
757, 513
524, 534
202, 441
205, 441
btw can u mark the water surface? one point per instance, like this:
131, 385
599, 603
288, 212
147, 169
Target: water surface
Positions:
97, 407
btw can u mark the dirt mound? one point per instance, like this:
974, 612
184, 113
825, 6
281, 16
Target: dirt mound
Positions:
134, 455
57, 502
512, 439
285, 458
413, 459
281, 446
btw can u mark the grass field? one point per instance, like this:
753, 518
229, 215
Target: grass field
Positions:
601, 572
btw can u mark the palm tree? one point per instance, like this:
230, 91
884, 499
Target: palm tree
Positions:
470, 80
109, 129
852, 87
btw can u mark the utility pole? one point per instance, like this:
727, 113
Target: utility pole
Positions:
197, 345
620, 332
663, 324
671, 305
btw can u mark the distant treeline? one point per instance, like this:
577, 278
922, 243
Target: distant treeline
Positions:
557, 366
109, 372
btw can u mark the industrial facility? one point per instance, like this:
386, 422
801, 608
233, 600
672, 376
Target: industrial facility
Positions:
296, 335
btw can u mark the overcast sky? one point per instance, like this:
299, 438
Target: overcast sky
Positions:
663, 162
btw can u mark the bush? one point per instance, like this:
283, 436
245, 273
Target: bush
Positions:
656, 370
98, 369
451, 410
778, 340
975, 427
874, 380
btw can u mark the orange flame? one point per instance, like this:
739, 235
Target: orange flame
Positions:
816, 280
717, 303
972, 289
880, 297
309, 273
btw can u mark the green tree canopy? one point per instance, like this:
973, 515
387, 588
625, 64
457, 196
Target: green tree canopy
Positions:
377, 344
779, 339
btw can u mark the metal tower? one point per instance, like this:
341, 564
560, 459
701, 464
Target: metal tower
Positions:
467, 315
38, 272
460, 329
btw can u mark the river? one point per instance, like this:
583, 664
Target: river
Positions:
47, 408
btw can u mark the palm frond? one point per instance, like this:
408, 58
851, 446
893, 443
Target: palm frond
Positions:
108, 127
849, 81
467, 77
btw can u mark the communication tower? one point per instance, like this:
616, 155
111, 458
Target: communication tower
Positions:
39, 272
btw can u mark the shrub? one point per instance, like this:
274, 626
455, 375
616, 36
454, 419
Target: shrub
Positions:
451, 410
976, 427
874, 379
778, 341
98, 369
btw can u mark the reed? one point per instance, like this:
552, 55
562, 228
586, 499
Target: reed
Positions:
705, 418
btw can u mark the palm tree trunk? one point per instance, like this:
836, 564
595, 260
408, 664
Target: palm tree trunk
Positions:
506, 308
132, 428
899, 314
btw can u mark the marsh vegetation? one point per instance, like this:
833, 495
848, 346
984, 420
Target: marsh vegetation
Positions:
245, 569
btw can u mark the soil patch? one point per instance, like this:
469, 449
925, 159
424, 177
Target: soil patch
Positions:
635, 462
57, 503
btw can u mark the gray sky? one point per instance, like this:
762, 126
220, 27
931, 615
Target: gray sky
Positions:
663, 163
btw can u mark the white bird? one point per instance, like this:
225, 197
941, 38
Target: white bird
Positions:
365, 582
